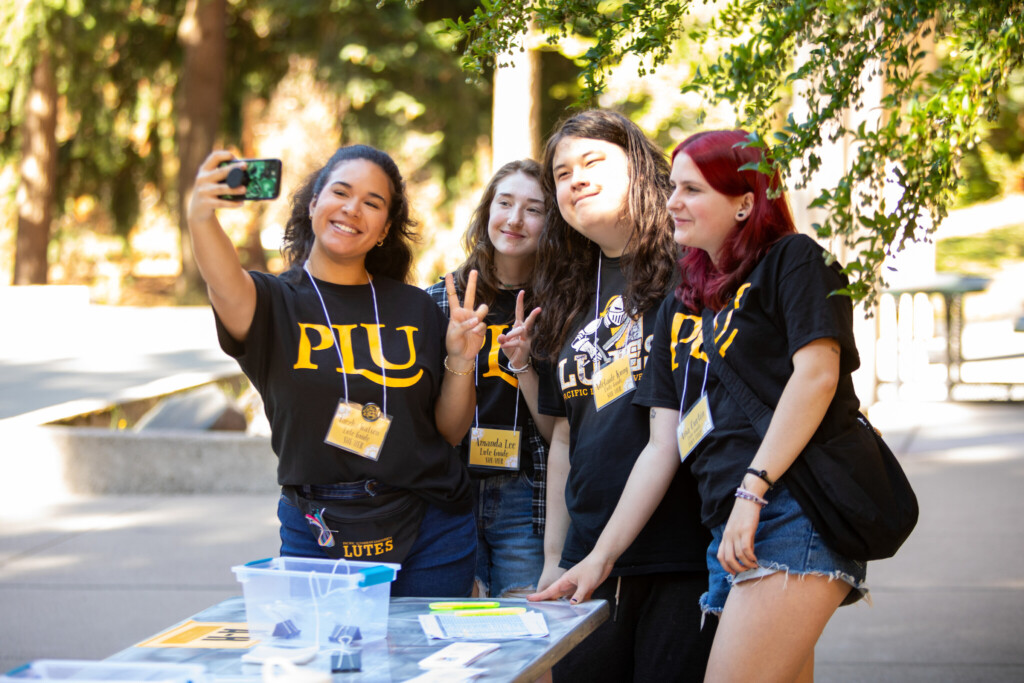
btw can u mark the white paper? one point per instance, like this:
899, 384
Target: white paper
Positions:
447, 675
457, 654
500, 627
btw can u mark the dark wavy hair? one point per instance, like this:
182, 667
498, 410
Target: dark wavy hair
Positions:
477, 242
719, 155
392, 259
567, 261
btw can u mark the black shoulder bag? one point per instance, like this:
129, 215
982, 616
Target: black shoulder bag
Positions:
851, 487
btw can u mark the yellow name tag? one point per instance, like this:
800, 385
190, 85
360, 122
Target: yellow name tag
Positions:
695, 425
494, 448
359, 429
612, 381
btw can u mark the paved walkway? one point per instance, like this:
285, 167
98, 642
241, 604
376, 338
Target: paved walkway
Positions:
78, 358
87, 577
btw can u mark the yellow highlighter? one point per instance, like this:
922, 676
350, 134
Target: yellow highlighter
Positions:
449, 606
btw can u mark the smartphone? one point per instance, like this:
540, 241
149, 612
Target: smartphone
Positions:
261, 178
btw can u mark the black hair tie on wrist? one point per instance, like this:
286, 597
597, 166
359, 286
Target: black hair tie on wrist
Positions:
762, 475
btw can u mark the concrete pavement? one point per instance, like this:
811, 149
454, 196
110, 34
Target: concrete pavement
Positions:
85, 577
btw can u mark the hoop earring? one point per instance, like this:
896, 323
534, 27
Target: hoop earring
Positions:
381, 242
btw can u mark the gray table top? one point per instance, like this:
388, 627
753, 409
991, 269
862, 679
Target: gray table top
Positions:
395, 658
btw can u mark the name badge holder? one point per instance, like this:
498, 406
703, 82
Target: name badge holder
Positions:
614, 379
355, 427
495, 448
696, 423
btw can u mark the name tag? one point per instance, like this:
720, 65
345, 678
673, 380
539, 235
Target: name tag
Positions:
612, 381
494, 448
359, 429
695, 425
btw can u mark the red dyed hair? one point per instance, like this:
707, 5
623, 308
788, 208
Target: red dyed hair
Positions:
719, 154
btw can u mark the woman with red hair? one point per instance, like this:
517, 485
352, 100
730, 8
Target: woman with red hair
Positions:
779, 326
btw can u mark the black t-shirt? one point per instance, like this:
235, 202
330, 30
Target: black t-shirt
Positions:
605, 444
783, 306
496, 387
292, 360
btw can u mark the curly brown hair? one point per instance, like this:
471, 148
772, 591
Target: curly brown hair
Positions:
566, 268
478, 243
393, 258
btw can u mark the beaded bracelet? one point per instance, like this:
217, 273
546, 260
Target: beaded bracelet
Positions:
762, 475
518, 371
751, 496
455, 372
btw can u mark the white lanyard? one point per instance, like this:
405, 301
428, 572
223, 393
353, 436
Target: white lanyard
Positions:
686, 379
597, 300
337, 347
476, 408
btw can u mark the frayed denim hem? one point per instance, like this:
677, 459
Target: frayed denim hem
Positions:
860, 588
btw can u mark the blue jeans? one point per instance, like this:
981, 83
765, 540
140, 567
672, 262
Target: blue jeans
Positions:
440, 563
509, 556
784, 541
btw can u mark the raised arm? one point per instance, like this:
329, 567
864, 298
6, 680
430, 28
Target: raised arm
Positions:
648, 481
231, 289
453, 414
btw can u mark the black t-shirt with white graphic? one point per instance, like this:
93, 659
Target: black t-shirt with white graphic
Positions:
605, 444
783, 306
291, 358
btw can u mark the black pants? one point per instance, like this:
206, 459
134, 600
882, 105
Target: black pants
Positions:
653, 634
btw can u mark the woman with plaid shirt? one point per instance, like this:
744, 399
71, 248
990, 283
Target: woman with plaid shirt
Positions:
506, 449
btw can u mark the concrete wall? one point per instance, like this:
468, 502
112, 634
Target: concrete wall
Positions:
81, 460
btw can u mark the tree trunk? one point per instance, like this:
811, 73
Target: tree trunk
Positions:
515, 118
36, 195
201, 32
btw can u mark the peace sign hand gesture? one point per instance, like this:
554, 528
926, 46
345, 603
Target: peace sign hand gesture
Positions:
517, 341
466, 328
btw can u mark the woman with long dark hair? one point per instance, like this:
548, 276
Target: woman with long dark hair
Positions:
351, 363
780, 327
605, 262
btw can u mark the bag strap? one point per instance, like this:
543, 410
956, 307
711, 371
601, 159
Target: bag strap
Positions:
759, 414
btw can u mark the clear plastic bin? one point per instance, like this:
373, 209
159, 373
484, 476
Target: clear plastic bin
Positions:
95, 671
296, 601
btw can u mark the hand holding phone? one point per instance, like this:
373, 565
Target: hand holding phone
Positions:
260, 177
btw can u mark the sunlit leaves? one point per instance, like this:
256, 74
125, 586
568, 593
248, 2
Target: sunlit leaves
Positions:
828, 52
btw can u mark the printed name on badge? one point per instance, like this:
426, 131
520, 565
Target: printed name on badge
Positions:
352, 429
494, 447
694, 426
612, 381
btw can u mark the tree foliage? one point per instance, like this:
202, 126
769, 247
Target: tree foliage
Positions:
903, 166
108, 59
118, 71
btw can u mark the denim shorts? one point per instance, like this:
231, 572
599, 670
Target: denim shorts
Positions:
784, 541
509, 556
